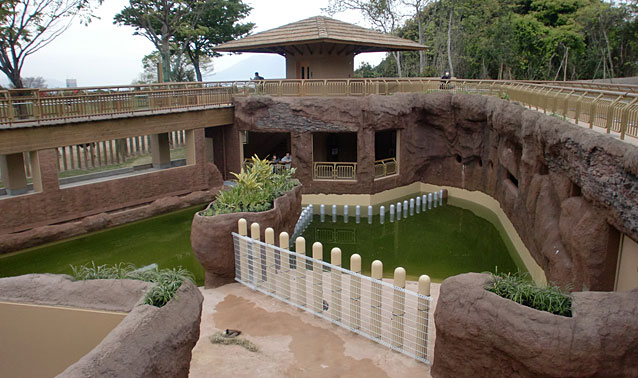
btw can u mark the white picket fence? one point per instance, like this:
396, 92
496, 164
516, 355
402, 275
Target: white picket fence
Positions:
382, 312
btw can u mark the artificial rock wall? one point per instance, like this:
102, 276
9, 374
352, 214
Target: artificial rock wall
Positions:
569, 191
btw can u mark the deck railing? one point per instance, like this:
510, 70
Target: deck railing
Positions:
335, 171
385, 167
603, 106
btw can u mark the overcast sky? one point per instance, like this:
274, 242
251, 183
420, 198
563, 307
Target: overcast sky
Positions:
106, 54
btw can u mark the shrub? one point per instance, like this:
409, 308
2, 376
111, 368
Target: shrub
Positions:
167, 280
256, 188
520, 289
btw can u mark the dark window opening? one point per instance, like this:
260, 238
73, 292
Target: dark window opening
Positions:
334, 147
543, 170
385, 144
266, 145
575, 191
458, 158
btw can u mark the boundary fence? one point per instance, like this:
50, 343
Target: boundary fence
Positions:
385, 313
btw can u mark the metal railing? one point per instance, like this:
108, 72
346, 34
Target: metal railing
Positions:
379, 311
602, 106
37, 105
385, 167
334, 171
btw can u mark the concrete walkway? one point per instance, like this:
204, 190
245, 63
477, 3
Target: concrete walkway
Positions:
291, 343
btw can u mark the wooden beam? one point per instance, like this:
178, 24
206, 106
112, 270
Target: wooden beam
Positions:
21, 139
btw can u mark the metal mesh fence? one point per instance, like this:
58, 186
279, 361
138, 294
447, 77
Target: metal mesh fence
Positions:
389, 315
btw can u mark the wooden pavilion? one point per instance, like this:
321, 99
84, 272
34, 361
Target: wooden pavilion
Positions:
319, 47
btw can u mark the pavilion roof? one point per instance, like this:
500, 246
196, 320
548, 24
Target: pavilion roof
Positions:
319, 33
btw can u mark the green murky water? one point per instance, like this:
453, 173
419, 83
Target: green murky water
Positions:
164, 240
440, 242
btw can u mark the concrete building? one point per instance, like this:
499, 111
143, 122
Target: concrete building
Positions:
319, 47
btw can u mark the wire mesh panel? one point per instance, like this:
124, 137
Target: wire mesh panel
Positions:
392, 316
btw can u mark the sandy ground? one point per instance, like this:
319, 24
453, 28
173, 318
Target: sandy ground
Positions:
291, 343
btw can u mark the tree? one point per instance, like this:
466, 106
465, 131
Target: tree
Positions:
215, 22
384, 15
27, 26
157, 21
181, 68
34, 82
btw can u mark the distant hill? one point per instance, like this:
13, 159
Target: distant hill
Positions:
270, 66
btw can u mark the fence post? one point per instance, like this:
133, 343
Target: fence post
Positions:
610, 114
317, 279
592, 111
256, 254
624, 118
375, 300
355, 292
398, 308
243, 251
335, 280
284, 260
300, 266
269, 237
578, 105
422, 317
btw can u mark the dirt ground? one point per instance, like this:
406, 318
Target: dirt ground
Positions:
291, 343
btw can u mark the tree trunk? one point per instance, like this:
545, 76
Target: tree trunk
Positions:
421, 52
166, 61
611, 62
449, 45
198, 72
397, 58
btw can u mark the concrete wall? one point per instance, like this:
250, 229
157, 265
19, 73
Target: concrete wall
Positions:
55, 337
322, 66
54, 204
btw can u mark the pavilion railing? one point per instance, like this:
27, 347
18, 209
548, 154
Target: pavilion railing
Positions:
596, 104
385, 167
335, 171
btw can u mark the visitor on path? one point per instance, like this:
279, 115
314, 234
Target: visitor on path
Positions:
287, 160
257, 77
275, 159
445, 83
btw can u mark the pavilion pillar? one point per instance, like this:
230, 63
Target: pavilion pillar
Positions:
160, 151
14, 177
191, 150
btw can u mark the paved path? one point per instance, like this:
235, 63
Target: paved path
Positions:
291, 343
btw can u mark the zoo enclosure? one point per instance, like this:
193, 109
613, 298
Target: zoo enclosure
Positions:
387, 314
610, 106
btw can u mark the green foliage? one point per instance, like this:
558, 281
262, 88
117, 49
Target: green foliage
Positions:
256, 189
180, 68
523, 39
520, 289
210, 23
167, 280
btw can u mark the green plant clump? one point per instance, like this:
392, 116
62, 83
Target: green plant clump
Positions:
167, 280
520, 289
257, 187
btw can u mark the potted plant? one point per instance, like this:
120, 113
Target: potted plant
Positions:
272, 199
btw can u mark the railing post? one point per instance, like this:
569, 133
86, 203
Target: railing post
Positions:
284, 260
300, 266
335, 281
398, 308
244, 274
375, 300
624, 118
317, 277
422, 317
578, 105
355, 292
269, 237
592, 111
256, 254
610, 114
566, 108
